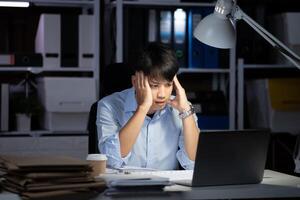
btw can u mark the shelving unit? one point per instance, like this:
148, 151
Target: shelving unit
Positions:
230, 71
93, 71
261, 70
73, 143
84, 4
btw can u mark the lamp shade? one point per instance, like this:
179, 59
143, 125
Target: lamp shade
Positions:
217, 31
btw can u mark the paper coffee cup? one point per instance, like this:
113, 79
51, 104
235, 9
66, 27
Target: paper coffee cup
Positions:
98, 163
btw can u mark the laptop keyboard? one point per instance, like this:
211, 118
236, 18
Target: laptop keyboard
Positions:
173, 175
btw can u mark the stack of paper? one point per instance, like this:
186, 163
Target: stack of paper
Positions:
128, 184
46, 176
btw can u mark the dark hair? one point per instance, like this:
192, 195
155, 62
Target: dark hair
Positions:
158, 60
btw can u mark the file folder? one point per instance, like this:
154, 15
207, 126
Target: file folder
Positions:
195, 48
200, 54
47, 40
152, 26
166, 26
211, 54
86, 41
180, 36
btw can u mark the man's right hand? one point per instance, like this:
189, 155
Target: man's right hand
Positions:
143, 91
130, 131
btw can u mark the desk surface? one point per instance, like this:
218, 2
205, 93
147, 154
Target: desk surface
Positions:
274, 185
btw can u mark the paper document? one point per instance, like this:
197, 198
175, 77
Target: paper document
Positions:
128, 180
128, 169
172, 175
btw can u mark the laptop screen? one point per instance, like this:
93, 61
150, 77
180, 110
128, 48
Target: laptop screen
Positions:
230, 157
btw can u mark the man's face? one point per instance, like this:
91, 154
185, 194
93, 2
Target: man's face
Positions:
161, 92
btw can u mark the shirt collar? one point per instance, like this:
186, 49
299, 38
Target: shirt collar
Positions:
167, 108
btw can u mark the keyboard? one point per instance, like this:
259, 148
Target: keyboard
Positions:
173, 175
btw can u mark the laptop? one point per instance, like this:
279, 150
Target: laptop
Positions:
229, 158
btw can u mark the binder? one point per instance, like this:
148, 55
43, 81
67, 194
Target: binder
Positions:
69, 40
200, 55
152, 26
4, 107
180, 36
211, 54
166, 26
47, 40
86, 41
195, 48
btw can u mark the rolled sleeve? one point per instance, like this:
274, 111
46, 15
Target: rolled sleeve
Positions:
108, 135
181, 154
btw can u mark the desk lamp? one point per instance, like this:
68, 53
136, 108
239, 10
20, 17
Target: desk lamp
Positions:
218, 30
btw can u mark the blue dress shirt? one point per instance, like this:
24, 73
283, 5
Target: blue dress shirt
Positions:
159, 144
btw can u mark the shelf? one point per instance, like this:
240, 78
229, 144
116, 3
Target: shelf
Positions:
268, 66
193, 70
157, 3
37, 70
64, 3
257, 71
38, 133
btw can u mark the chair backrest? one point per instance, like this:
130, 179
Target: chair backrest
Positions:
92, 129
116, 77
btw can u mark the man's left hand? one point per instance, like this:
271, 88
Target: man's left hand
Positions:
180, 102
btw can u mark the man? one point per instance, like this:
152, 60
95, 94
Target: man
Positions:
145, 126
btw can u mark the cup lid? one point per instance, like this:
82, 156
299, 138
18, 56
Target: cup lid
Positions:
96, 157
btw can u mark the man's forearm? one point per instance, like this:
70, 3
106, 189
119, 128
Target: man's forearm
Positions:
131, 130
191, 134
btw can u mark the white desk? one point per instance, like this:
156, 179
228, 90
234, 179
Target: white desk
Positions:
274, 185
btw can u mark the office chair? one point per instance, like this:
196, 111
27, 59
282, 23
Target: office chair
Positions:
116, 77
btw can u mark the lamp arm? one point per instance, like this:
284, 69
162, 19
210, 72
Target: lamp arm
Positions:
277, 44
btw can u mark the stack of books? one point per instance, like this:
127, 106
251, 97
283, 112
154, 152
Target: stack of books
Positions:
41, 176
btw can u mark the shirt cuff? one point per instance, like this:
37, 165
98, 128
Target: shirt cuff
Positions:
125, 159
111, 148
184, 161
